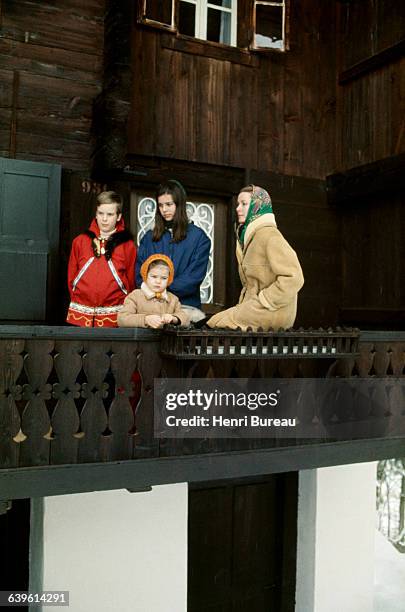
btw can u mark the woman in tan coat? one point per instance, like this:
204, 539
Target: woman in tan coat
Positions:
269, 269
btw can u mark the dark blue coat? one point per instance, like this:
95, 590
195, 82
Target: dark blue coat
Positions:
190, 259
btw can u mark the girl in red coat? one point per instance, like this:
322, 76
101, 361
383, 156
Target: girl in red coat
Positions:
101, 267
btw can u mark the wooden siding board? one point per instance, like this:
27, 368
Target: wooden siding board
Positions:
397, 82
40, 60
190, 117
358, 25
271, 114
49, 126
51, 146
144, 131
215, 123
368, 254
244, 118
324, 111
293, 145
5, 118
6, 88
174, 90
203, 70
50, 25
390, 20
373, 117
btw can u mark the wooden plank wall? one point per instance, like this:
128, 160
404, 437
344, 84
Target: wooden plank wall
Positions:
371, 114
370, 128
373, 262
273, 111
50, 74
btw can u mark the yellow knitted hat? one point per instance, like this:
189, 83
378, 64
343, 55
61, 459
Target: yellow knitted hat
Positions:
157, 257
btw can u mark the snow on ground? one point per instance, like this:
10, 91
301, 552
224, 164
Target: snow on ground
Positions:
389, 588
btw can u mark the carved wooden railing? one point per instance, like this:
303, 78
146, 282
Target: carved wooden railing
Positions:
67, 395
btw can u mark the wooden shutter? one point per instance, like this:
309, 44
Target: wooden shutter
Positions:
29, 236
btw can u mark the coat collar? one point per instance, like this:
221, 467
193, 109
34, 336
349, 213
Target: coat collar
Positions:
96, 230
267, 220
149, 294
118, 237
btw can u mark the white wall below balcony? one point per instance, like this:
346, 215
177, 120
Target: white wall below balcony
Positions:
114, 550
336, 529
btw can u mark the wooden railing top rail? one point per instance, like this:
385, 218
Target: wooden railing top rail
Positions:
144, 335
55, 332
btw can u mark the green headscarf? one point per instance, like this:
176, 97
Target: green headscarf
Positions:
260, 204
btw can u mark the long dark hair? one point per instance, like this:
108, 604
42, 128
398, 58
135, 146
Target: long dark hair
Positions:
180, 219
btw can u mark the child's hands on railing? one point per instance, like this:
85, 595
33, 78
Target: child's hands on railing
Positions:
154, 321
169, 318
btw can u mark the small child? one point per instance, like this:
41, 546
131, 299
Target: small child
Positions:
101, 267
152, 305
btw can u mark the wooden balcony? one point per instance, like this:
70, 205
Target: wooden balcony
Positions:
67, 407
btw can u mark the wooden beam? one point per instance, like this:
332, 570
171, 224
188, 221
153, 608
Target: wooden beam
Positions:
21, 483
209, 49
379, 317
387, 56
385, 175
145, 171
44, 332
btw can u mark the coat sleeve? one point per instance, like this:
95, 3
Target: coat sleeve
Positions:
130, 265
286, 267
180, 314
141, 256
73, 265
190, 280
128, 316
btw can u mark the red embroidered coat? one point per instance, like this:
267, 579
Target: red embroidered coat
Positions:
99, 283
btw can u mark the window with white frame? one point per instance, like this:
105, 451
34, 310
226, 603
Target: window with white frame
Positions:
158, 12
212, 20
262, 25
269, 20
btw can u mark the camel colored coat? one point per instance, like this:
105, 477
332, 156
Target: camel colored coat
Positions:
137, 306
271, 276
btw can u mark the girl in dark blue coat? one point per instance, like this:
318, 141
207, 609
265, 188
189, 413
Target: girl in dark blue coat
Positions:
187, 246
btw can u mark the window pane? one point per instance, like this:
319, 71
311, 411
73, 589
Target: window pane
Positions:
159, 11
187, 19
269, 27
224, 3
219, 26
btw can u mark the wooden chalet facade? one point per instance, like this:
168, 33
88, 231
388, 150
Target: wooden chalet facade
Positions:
304, 98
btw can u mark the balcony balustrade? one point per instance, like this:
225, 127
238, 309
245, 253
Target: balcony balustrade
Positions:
68, 396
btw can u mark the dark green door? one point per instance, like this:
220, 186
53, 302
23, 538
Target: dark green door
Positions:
29, 237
